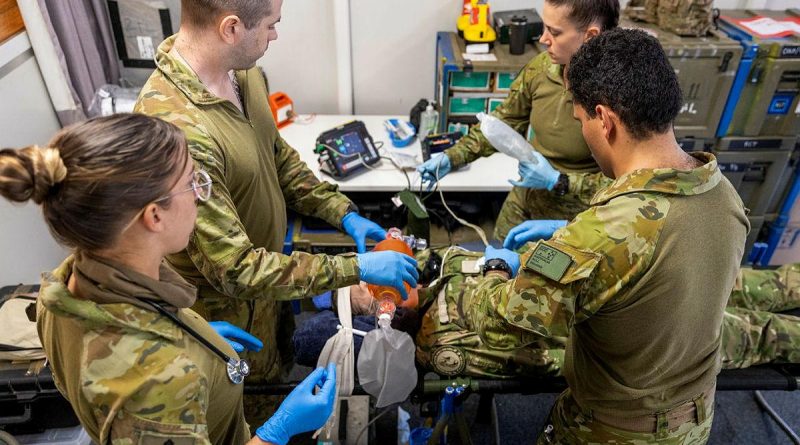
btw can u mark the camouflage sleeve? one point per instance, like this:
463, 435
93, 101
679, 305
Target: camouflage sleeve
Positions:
566, 279
514, 111
305, 193
143, 390
221, 250
583, 186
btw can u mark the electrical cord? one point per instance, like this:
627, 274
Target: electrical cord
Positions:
474, 227
781, 423
298, 119
366, 427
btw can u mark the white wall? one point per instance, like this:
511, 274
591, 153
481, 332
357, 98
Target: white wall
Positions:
393, 47
302, 62
26, 117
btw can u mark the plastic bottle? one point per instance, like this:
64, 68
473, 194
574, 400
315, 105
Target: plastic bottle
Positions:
428, 122
388, 297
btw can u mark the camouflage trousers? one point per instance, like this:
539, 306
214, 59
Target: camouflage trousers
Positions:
569, 424
448, 344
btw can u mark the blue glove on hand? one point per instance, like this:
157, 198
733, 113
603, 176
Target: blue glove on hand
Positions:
537, 176
302, 410
509, 256
360, 228
388, 268
238, 338
532, 230
428, 169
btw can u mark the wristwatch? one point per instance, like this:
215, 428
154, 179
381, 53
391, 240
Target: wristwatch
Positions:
562, 185
496, 264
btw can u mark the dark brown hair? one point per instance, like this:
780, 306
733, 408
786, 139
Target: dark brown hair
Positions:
203, 13
96, 175
585, 12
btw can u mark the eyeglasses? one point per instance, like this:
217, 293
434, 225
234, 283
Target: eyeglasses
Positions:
201, 186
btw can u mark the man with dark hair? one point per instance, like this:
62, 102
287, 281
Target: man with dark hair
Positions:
207, 84
638, 282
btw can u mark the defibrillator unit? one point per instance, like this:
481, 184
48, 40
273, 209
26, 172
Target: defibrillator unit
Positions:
346, 149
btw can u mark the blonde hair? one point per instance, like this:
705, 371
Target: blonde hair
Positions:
30, 173
96, 175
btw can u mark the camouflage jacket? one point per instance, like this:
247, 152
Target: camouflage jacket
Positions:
621, 280
132, 375
539, 98
235, 248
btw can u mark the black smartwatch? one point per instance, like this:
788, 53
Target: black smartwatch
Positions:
496, 264
562, 185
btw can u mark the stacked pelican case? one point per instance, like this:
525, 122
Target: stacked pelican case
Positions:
29, 400
740, 101
761, 121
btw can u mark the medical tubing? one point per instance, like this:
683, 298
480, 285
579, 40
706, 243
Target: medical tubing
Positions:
477, 229
778, 419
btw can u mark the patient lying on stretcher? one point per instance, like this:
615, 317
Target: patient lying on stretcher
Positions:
450, 342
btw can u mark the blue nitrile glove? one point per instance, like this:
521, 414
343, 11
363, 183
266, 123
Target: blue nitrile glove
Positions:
428, 169
302, 410
360, 228
509, 256
532, 230
238, 338
537, 176
388, 268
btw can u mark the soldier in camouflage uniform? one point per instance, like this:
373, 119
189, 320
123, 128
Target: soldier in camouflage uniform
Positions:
207, 85
449, 345
121, 191
638, 282
539, 99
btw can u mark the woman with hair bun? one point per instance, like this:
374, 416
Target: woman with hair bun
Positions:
136, 364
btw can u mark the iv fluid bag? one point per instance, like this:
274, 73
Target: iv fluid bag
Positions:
505, 140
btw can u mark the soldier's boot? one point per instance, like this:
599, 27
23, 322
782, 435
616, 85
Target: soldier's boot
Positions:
756, 337
772, 290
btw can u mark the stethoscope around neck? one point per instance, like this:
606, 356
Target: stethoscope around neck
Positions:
237, 369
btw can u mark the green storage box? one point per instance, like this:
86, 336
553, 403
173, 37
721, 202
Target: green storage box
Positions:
470, 81
502, 82
466, 106
493, 103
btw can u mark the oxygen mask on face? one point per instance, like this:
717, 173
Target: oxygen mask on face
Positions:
396, 241
386, 361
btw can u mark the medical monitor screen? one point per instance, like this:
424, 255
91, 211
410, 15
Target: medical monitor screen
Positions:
350, 143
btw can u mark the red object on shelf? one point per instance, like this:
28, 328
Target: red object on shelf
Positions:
282, 108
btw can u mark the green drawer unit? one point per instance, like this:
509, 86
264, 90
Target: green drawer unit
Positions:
705, 67
765, 99
461, 85
502, 81
461, 127
494, 102
466, 106
470, 81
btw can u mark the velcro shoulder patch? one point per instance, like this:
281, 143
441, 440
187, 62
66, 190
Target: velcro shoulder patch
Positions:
561, 262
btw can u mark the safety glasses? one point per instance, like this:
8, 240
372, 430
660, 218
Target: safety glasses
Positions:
201, 186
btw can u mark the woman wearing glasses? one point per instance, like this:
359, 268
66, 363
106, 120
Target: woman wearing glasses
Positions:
135, 363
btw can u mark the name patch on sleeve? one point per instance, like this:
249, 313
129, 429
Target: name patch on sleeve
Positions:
549, 261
